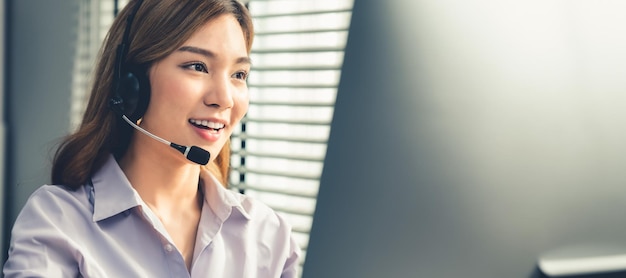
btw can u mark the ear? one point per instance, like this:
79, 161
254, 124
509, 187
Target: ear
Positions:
136, 92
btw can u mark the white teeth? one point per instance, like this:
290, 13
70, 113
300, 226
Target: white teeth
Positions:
213, 125
205, 123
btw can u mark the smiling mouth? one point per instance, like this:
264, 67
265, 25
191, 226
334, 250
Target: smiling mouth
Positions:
208, 125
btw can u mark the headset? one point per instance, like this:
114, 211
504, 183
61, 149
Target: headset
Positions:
132, 94
132, 88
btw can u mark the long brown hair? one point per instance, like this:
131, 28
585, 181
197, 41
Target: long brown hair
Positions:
158, 29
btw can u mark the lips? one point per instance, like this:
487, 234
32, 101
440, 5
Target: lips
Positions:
205, 124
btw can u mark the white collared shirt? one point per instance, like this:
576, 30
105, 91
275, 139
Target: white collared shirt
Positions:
106, 230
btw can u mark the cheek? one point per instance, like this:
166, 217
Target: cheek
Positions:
174, 96
241, 105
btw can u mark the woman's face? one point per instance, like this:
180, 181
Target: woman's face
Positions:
199, 92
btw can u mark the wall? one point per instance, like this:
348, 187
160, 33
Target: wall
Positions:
2, 122
40, 45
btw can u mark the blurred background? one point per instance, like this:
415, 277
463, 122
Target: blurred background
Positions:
478, 134
476, 138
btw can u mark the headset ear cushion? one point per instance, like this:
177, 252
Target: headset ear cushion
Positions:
136, 94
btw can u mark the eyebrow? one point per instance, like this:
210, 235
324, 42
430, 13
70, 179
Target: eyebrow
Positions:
211, 55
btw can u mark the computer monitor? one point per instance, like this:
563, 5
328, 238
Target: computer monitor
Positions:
476, 138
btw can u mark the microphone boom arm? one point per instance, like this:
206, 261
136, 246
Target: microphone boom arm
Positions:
193, 153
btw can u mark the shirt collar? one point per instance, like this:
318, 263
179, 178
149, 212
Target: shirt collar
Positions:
114, 194
221, 200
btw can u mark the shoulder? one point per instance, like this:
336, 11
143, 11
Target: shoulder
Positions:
57, 191
58, 195
265, 220
55, 203
42, 238
227, 203
271, 230
255, 209
266, 235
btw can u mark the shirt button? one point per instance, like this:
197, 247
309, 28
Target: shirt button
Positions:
169, 248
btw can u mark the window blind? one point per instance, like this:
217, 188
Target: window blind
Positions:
94, 19
278, 150
278, 153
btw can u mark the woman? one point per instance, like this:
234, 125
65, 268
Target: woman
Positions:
124, 204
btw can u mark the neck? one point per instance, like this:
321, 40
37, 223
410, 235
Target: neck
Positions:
163, 178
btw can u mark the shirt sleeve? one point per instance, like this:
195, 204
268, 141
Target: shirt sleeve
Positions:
39, 247
292, 264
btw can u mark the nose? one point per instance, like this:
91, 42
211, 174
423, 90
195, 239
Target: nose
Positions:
220, 92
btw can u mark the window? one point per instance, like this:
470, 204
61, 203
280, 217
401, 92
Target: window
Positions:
95, 18
279, 150
297, 56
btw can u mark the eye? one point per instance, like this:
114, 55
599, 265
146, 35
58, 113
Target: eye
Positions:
196, 66
241, 75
